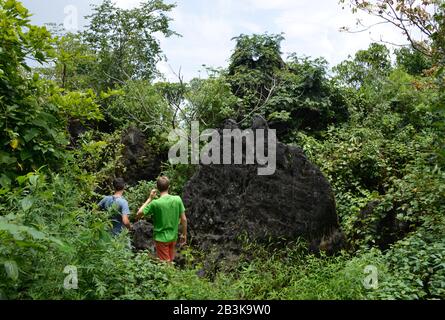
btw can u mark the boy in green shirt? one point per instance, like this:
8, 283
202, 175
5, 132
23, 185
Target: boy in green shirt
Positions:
168, 212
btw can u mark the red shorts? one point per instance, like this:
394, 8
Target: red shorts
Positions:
166, 250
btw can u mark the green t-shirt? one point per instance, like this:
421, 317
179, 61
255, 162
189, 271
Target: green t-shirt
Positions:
166, 212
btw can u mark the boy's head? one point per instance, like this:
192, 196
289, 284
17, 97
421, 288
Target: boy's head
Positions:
163, 183
118, 184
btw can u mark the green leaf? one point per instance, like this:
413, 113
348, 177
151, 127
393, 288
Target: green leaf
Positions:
9, 4
5, 181
21, 179
36, 234
6, 158
33, 179
25, 154
21, 9
39, 56
31, 134
27, 203
17, 230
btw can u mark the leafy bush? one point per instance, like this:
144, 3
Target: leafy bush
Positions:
416, 265
210, 101
140, 104
98, 157
138, 194
32, 133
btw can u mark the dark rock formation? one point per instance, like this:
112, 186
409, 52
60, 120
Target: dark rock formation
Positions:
226, 202
142, 235
140, 161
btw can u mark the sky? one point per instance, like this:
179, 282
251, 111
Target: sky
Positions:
310, 27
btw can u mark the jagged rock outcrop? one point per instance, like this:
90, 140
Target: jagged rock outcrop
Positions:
226, 202
140, 161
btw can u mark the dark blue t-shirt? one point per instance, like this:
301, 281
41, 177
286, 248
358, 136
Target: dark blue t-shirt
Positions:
122, 206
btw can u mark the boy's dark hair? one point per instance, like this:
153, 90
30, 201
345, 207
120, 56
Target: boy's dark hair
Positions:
118, 184
163, 183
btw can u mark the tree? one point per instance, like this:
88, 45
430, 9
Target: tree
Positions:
253, 71
31, 133
34, 110
141, 104
366, 67
125, 42
423, 24
412, 61
292, 95
421, 21
210, 101
305, 99
76, 63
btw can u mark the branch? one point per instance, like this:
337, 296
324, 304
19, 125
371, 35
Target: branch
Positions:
401, 18
258, 106
366, 28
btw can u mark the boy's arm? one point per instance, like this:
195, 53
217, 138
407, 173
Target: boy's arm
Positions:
150, 199
183, 237
126, 221
183, 222
125, 212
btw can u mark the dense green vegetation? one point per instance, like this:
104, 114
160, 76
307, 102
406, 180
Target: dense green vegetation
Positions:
374, 127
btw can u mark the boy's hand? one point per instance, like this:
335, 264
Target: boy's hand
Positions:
182, 240
153, 194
